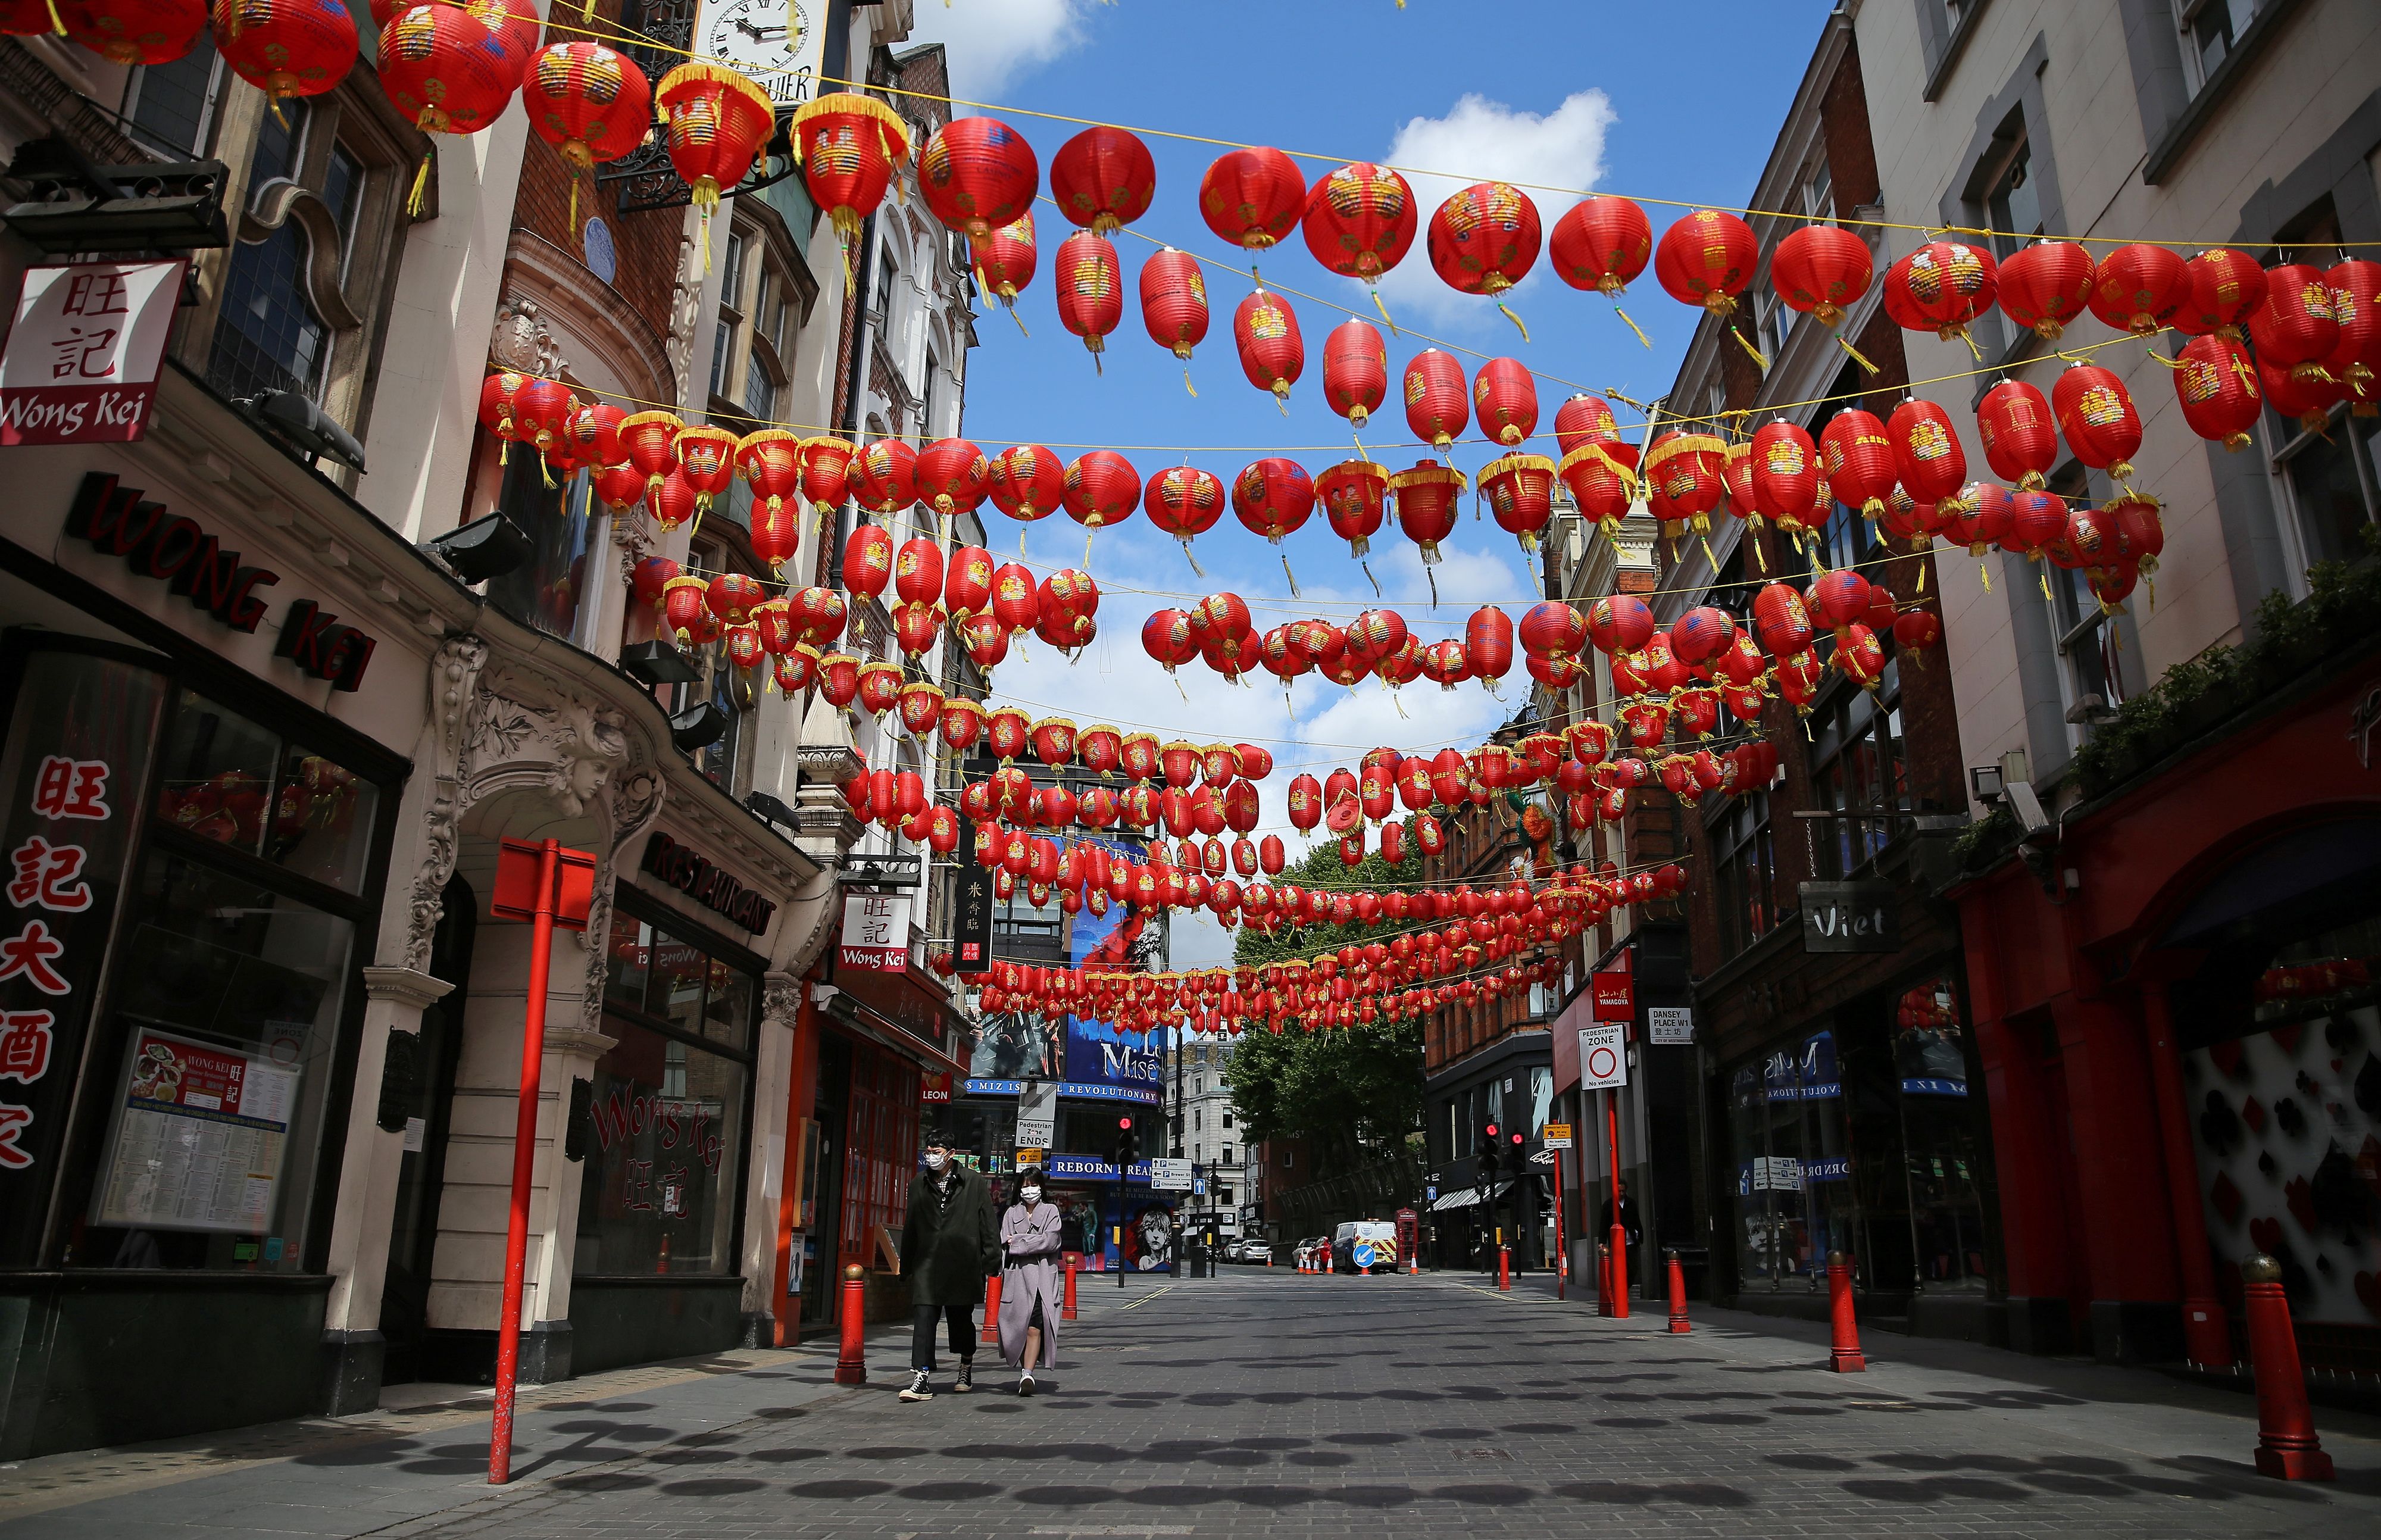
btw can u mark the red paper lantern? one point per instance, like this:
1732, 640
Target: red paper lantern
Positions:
1354, 495
2356, 305
2227, 289
1682, 479
2140, 287
2296, 328
1519, 490
1173, 303
2047, 284
848, 145
1706, 259
818, 615
1584, 419
977, 174
1927, 458
1273, 498
1005, 261
1603, 480
1103, 178
136, 32
1439, 406
2037, 521
1485, 239
1165, 637
1355, 370
1781, 621
1858, 459
2309, 401
446, 69
826, 469
918, 570
1026, 482
1488, 646
949, 476
1821, 270
1601, 244
1251, 197
2218, 389
1273, 353
1426, 498
1102, 488
715, 122
1359, 221
1940, 288
921, 706
766, 459
868, 560
1183, 501
883, 477
1016, 601
2095, 413
1505, 398
2016, 424
1785, 474
1091, 290
305, 47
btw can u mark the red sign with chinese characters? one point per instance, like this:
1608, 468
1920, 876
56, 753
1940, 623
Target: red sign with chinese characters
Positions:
83, 355
1615, 997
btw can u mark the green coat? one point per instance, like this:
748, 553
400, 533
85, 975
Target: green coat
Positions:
949, 1247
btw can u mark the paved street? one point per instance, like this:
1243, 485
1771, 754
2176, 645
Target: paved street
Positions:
1271, 1402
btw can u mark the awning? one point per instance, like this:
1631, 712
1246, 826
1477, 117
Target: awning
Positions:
1466, 1197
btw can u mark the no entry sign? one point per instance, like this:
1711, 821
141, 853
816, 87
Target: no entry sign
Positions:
1603, 1063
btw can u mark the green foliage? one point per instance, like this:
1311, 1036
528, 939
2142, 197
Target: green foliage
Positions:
2342, 608
1352, 1093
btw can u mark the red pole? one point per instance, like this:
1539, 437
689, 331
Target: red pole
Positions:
2287, 1446
1603, 1277
1067, 1311
1562, 1253
2206, 1335
991, 1332
540, 958
1844, 1350
1504, 1269
851, 1359
1619, 1244
1679, 1325
1619, 1249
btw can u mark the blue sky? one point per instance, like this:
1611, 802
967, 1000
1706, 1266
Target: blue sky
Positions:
1644, 101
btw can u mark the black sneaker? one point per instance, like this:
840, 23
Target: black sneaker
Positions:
967, 1377
1025, 1385
920, 1386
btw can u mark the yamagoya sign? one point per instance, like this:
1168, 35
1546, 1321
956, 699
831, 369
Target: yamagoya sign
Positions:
164, 547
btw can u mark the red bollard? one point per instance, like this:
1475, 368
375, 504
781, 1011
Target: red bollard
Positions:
851, 1361
991, 1332
1067, 1308
2287, 1446
1603, 1278
1504, 1269
1844, 1350
1679, 1325
1619, 1246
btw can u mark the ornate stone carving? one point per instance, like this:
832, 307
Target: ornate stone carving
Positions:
781, 997
636, 798
522, 341
454, 679
686, 314
632, 531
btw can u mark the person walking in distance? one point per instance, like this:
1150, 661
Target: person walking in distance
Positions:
1030, 1240
948, 1248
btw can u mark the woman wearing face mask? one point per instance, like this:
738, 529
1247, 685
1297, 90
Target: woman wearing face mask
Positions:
1030, 1245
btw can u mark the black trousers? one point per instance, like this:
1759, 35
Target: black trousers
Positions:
921, 1333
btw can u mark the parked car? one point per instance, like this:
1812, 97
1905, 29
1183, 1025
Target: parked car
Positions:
1314, 1252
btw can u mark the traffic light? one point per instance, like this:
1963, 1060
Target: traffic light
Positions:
1490, 1150
1128, 1144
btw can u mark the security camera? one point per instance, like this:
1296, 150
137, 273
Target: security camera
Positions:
2035, 823
307, 427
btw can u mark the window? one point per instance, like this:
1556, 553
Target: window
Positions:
2012, 202
1227, 1116
666, 1135
1194, 1119
1286, 1161
172, 104
1198, 1085
543, 591
1228, 1155
2327, 481
1744, 866
1857, 767
1818, 190
751, 341
1794, 1190
271, 336
1777, 323
2210, 29
2090, 670
1939, 1136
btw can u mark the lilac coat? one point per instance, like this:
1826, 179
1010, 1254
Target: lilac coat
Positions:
1030, 1269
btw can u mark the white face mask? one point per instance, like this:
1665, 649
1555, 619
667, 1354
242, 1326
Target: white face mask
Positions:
1030, 1194
935, 1162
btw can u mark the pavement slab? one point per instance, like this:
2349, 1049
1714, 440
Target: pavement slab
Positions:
1271, 1403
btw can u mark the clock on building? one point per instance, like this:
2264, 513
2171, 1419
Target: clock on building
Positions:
770, 40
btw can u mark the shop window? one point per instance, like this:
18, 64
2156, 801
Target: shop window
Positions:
1858, 768
665, 1122
545, 592
1744, 866
1939, 1135
881, 1152
1789, 1135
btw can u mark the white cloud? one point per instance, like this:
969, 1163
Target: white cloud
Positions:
992, 43
1481, 140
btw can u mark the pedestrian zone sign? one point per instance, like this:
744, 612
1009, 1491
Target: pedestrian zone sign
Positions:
1603, 1064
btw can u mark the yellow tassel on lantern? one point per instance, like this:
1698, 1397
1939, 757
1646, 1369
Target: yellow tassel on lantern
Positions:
1858, 357
1632, 324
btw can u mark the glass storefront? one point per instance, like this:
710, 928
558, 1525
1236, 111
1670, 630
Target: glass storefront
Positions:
1793, 1162
1942, 1148
665, 1140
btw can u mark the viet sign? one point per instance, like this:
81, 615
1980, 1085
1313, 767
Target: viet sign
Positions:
83, 359
1615, 995
1850, 917
1669, 1025
1557, 1136
1603, 1062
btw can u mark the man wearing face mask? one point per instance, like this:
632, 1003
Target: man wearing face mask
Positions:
1031, 1242
947, 1249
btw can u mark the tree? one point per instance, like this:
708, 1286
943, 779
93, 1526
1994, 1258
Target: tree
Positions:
1353, 1094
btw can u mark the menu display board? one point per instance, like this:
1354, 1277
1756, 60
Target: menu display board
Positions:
198, 1139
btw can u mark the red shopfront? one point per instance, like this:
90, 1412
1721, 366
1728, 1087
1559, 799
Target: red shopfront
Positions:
2181, 1043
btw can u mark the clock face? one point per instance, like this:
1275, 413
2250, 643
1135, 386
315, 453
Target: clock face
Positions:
768, 39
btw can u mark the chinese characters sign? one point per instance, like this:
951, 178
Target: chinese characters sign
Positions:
83, 355
875, 933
